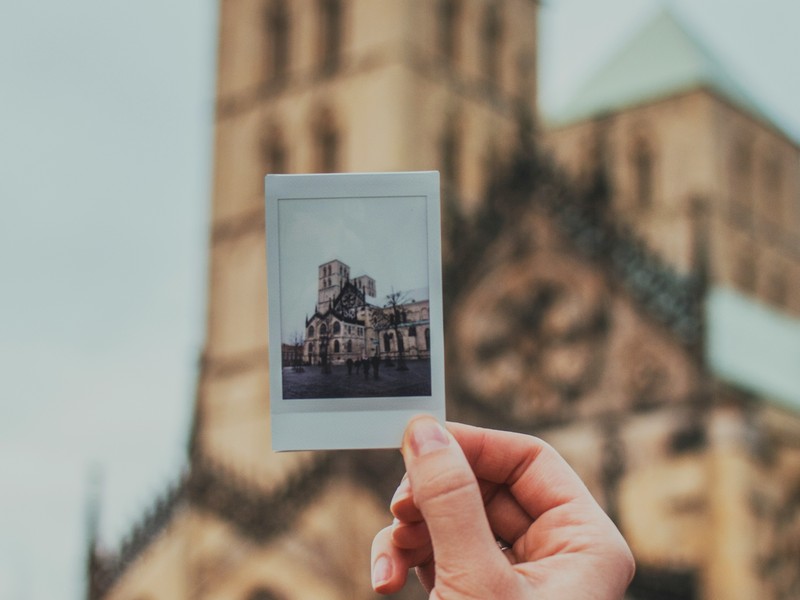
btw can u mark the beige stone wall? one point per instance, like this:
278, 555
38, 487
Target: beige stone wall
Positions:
324, 556
756, 245
751, 212
160, 572
727, 508
679, 135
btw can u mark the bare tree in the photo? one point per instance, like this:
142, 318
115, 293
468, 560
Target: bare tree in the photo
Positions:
296, 341
395, 302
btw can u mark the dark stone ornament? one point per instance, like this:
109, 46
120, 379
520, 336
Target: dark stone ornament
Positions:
531, 338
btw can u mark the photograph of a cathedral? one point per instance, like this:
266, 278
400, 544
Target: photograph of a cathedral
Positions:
356, 346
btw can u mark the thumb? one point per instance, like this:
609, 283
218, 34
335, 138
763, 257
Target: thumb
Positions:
447, 494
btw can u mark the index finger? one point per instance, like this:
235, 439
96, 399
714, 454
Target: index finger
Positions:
538, 477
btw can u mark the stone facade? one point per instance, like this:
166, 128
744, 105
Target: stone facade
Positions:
698, 171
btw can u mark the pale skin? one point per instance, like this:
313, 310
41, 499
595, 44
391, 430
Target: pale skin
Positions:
467, 487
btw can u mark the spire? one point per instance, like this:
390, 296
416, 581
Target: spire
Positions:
93, 558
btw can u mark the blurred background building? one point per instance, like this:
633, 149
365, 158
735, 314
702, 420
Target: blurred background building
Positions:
624, 282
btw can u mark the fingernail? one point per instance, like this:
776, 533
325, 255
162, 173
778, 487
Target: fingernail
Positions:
427, 436
381, 571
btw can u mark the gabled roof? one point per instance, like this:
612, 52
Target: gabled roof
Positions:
663, 59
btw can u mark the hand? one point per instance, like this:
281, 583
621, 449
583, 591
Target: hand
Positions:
467, 488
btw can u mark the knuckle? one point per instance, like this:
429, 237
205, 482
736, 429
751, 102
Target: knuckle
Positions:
445, 487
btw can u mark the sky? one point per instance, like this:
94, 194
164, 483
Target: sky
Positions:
105, 140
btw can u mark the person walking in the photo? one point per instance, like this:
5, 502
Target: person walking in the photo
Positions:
376, 363
366, 368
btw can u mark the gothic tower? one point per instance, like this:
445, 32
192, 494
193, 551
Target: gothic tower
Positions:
339, 85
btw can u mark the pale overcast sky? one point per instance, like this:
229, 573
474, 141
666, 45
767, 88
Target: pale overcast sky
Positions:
105, 141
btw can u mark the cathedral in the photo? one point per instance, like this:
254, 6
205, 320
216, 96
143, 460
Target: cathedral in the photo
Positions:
622, 280
348, 324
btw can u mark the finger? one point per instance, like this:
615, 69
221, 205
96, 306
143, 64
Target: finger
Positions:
447, 494
390, 564
410, 536
388, 574
507, 518
535, 473
402, 503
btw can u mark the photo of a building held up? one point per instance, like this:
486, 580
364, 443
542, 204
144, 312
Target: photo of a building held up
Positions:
355, 332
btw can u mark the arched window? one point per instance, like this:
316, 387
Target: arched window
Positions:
326, 143
336, 346
323, 329
337, 328
349, 345
263, 593
450, 154
311, 331
492, 36
311, 349
387, 342
643, 176
412, 331
275, 154
278, 39
330, 27
448, 29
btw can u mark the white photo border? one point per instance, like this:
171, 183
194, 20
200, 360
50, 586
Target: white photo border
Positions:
351, 423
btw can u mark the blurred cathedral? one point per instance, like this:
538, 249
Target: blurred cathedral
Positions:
623, 281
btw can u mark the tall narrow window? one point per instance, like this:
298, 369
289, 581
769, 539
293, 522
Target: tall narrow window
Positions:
275, 154
327, 142
741, 183
745, 274
278, 39
643, 166
330, 25
450, 154
776, 288
263, 593
492, 35
526, 75
448, 29
773, 188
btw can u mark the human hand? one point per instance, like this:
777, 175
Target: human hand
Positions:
464, 490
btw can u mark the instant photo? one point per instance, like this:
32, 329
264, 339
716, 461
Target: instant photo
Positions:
355, 307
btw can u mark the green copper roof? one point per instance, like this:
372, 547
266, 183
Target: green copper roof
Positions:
663, 59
